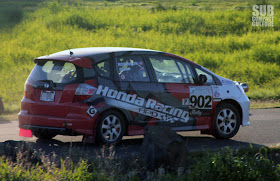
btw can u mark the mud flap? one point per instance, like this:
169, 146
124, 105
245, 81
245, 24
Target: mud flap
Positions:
25, 133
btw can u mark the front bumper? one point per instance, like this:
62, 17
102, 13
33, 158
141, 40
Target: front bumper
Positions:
245, 106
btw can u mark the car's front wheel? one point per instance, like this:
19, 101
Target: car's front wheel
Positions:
227, 121
110, 129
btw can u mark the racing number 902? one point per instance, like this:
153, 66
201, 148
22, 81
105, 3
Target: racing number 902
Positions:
200, 101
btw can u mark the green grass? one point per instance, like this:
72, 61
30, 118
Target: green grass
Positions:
235, 165
13, 12
219, 37
24, 163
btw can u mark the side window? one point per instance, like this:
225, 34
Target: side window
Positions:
209, 77
171, 70
132, 68
186, 71
103, 68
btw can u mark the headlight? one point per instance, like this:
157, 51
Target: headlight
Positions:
245, 86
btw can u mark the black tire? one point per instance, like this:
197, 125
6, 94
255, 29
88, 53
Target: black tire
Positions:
226, 122
110, 128
43, 135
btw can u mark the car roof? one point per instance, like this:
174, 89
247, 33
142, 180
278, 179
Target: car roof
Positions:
83, 56
99, 50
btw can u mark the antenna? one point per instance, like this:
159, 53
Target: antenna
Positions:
71, 53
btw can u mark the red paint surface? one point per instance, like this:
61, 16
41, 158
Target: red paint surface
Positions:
179, 91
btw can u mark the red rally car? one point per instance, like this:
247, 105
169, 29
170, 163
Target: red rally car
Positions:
108, 92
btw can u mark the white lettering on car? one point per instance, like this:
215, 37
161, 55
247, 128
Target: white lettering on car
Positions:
185, 102
148, 107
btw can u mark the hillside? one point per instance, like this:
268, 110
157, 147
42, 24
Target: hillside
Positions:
221, 39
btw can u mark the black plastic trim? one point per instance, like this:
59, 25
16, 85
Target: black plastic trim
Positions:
60, 131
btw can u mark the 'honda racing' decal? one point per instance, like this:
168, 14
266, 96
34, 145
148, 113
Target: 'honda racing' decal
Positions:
149, 107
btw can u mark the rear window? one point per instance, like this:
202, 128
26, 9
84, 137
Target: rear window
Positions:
59, 72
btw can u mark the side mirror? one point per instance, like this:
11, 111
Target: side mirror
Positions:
202, 78
245, 86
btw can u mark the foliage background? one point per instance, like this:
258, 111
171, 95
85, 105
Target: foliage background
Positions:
216, 34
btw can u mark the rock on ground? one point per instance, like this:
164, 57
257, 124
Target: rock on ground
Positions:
163, 147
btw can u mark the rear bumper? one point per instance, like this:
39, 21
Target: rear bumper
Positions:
72, 124
51, 130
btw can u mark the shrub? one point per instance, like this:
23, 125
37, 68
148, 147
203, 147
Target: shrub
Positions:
225, 165
223, 41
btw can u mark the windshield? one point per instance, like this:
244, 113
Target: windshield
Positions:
56, 71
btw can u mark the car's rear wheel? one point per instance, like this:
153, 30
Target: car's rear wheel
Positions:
227, 121
43, 135
111, 127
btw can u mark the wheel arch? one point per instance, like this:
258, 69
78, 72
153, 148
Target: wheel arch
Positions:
235, 104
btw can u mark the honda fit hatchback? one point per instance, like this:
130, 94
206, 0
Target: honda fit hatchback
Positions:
106, 93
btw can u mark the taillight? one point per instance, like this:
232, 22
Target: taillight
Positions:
83, 92
25, 91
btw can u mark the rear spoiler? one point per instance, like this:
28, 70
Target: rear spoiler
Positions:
79, 61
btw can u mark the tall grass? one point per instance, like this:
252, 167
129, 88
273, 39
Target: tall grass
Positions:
226, 164
223, 41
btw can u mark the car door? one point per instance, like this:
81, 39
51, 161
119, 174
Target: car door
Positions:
136, 90
189, 102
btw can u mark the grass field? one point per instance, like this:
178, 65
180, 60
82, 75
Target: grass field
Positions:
216, 34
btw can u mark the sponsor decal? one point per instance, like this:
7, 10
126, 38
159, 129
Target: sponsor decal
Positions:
91, 111
195, 113
149, 107
217, 94
124, 69
217, 99
185, 102
122, 64
227, 82
122, 76
200, 97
